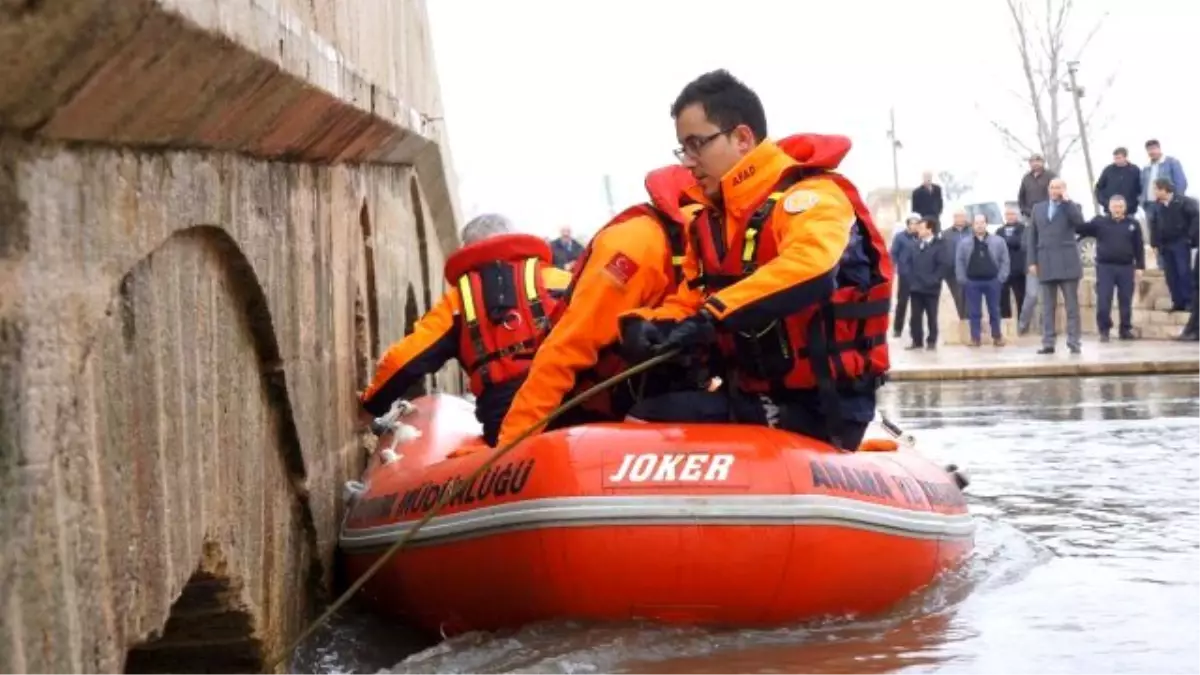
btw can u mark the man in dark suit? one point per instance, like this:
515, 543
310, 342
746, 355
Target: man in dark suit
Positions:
927, 198
1053, 256
1171, 220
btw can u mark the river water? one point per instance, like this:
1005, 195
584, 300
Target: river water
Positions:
1087, 560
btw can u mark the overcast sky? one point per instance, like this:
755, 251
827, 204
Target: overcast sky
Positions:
543, 98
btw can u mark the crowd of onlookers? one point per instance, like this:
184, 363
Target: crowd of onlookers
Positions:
1034, 256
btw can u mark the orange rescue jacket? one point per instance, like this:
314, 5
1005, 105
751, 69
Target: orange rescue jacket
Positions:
633, 261
793, 269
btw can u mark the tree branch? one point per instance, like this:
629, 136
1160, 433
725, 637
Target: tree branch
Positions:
1013, 142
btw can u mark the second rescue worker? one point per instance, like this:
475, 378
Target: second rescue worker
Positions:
501, 306
786, 270
633, 261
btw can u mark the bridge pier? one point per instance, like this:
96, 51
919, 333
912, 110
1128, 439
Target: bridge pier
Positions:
213, 215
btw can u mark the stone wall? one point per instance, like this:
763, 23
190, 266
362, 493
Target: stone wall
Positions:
213, 217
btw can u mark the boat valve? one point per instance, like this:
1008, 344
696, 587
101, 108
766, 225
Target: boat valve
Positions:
385, 422
960, 476
403, 433
352, 490
895, 431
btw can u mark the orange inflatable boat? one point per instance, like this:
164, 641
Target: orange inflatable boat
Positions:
703, 523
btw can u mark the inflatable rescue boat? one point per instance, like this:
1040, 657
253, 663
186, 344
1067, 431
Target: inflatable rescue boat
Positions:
694, 523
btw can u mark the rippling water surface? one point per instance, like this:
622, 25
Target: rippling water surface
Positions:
1087, 557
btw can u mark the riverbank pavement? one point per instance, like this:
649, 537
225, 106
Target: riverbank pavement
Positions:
1019, 359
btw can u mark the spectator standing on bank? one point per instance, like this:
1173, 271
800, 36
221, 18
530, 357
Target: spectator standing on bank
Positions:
930, 266
1012, 294
927, 198
951, 236
902, 251
1171, 223
1160, 166
566, 250
1120, 259
1053, 255
1120, 179
1035, 185
981, 265
1191, 331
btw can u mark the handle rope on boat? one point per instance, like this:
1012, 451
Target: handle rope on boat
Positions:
448, 495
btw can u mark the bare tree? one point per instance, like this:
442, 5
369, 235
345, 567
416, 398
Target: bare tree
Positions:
953, 186
1044, 52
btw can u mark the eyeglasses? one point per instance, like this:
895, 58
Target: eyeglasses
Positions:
693, 146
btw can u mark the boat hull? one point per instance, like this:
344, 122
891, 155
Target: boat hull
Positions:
701, 524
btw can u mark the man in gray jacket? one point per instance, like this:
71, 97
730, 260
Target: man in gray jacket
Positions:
1053, 253
981, 264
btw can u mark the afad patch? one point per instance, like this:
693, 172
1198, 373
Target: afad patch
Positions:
800, 201
621, 268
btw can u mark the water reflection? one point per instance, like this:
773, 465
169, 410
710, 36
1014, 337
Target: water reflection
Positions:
993, 402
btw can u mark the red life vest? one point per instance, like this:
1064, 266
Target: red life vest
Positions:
837, 344
506, 309
666, 189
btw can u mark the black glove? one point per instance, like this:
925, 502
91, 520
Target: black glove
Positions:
640, 338
698, 330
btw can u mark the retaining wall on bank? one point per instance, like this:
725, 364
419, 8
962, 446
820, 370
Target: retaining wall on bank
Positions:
213, 216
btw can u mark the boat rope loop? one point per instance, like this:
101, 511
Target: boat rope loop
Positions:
449, 495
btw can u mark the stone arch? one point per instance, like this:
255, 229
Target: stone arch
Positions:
366, 306
211, 629
196, 447
418, 209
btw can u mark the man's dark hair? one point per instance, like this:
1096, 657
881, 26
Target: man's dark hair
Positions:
1165, 184
1152, 143
1121, 151
727, 102
932, 223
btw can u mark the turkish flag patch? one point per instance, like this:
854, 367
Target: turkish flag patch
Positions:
621, 268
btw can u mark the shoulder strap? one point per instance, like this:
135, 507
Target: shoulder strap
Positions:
532, 283
471, 321
762, 214
673, 231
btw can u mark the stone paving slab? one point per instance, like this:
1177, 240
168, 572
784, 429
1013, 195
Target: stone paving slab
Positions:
1019, 358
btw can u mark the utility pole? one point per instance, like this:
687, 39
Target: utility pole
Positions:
1076, 94
608, 194
895, 164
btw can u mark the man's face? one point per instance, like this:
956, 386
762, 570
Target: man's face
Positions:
1120, 159
927, 178
912, 225
565, 233
923, 229
1155, 153
1037, 164
1011, 216
979, 225
1161, 194
1057, 187
1117, 208
709, 151
960, 219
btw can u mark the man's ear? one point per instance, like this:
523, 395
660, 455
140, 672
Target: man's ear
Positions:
743, 137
